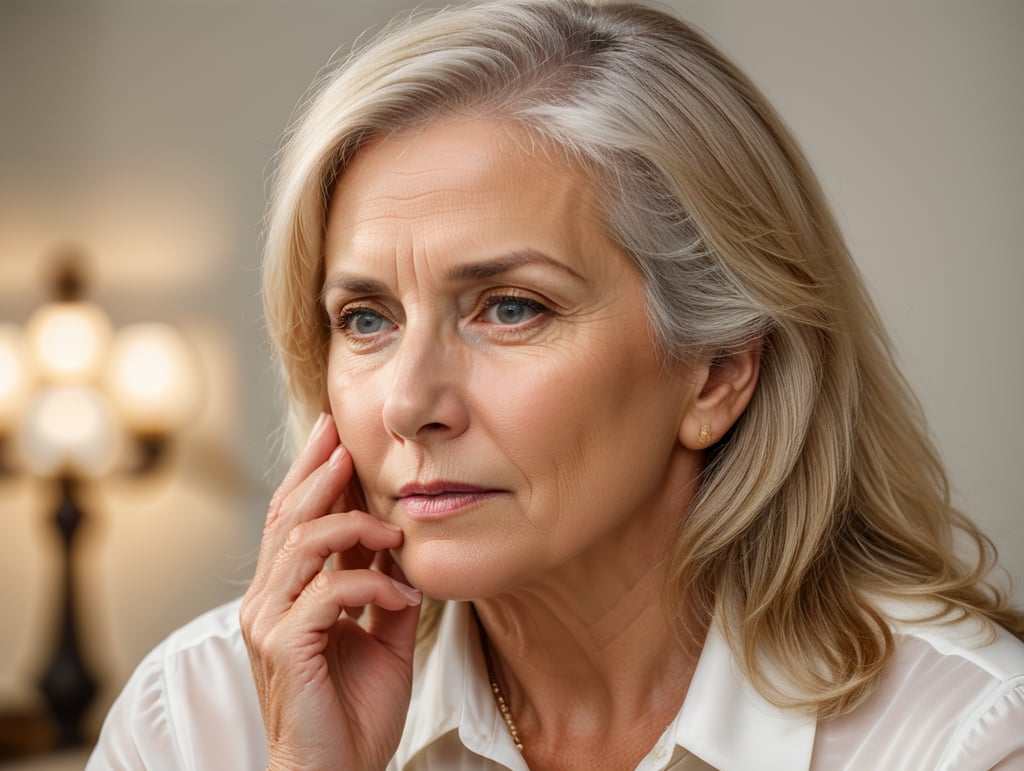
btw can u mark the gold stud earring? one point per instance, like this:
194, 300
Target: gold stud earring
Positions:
704, 436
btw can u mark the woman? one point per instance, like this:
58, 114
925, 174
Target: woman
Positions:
588, 365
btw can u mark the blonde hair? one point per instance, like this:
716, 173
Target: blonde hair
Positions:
827, 492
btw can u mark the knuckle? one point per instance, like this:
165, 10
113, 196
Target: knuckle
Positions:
282, 510
263, 638
285, 507
253, 638
275, 501
298, 537
265, 642
302, 541
356, 517
249, 618
352, 520
276, 506
322, 582
245, 615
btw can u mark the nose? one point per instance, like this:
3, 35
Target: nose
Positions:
425, 397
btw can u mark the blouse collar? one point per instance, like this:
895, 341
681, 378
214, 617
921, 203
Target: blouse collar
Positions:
728, 724
724, 721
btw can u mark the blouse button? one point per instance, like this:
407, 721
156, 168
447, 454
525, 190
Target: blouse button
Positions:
660, 753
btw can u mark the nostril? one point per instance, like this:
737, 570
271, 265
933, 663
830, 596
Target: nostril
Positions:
434, 426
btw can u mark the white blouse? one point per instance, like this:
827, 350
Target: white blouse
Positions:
949, 702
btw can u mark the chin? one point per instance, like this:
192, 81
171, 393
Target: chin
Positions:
452, 571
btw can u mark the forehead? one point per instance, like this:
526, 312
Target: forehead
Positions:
466, 153
466, 182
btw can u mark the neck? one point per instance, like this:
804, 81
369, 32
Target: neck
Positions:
593, 656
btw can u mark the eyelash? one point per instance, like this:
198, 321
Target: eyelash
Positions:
539, 310
340, 321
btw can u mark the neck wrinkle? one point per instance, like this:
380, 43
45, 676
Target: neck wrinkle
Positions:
608, 676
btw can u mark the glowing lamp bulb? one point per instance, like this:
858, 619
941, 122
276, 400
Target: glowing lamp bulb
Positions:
151, 378
69, 428
69, 340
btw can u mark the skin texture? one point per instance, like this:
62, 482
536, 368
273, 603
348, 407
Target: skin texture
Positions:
517, 442
567, 417
299, 626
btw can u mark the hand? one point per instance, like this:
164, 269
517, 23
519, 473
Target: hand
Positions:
334, 694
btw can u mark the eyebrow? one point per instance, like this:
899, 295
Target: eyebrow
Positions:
474, 271
497, 266
352, 285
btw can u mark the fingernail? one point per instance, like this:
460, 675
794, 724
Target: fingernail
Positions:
318, 427
412, 595
335, 458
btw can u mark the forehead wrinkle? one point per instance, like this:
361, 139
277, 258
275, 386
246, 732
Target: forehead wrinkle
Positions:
390, 209
414, 266
419, 195
381, 199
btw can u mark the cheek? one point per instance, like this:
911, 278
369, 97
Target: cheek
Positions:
549, 414
586, 423
356, 413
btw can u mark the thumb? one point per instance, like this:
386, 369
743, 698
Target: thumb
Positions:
395, 630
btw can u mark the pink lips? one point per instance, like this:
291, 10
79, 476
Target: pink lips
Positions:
437, 500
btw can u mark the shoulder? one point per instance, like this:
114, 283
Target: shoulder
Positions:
190, 701
965, 641
951, 698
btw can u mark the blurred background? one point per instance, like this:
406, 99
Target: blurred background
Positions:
135, 140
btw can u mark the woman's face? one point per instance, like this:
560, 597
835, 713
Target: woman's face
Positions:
490, 367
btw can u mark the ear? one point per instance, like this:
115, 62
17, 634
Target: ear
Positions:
725, 387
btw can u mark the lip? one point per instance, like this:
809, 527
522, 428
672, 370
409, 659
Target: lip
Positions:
441, 499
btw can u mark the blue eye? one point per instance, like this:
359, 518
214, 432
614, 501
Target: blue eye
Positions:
509, 311
363, 321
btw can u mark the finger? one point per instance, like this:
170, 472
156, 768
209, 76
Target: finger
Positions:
356, 558
311, 499
321, 603
397, 631
310, 544
323, 438
359, 558
388, 565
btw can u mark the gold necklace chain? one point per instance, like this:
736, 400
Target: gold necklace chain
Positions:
506, 713
499, 697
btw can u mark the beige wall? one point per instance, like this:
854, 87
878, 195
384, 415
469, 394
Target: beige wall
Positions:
144, 131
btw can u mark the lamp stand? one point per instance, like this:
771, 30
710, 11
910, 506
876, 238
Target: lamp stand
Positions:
67, 684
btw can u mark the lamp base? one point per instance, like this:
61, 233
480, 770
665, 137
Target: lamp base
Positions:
67, 684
